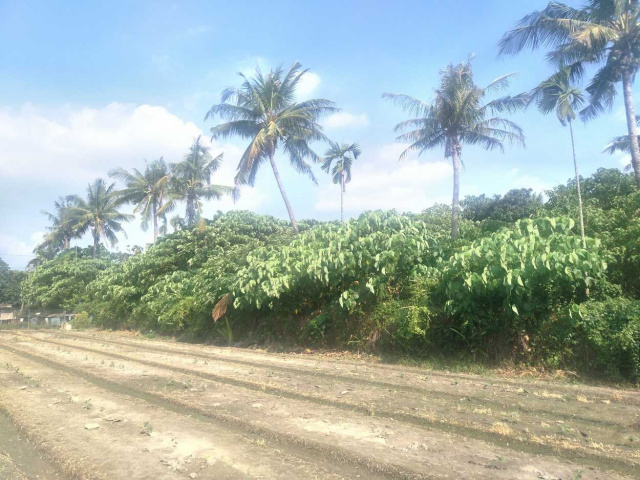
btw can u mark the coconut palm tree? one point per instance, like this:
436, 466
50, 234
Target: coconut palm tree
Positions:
622, 144
61, 231
178, 223
602, 32
191, 181
264, 110
343, 155
458, 116
98, 213
145, 190
559, 94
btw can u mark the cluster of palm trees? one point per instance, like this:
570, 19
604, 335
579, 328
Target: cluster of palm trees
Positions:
602, 33
155, 192
264, 111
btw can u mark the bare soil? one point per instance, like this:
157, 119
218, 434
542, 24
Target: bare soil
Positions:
114, 405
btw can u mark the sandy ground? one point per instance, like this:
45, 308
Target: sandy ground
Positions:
115, 405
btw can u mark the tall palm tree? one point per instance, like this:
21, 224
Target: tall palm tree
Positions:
559, 94
145, 190
458, 116
265, 111
191, 181
61, 231
602, 32
98, 213
343, 155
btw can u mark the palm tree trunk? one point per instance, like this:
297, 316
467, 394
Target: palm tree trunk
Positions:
455, 204
342, 198
155, 221
66, 243
96, 241
631, 125
575, 166
283, 193
190, 214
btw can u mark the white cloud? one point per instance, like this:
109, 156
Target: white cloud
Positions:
86, 143
345, 119
72, 147
308, 84
16, 252
380, 182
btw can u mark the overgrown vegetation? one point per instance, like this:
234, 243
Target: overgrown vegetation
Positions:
528, 291
10, 284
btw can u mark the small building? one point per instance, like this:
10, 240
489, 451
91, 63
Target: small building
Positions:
58, 319
7, 314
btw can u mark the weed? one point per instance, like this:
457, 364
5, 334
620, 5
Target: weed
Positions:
146, 429
87, 405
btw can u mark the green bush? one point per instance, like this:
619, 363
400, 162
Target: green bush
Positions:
607, 338
174, 285
349, 264
500, 288
60, 283
81, 321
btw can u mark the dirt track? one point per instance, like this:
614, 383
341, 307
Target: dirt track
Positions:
166, 410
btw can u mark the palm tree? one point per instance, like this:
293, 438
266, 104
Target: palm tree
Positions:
457, 116
177, 222
558, 94
343, 155
61, 231
98, 213
602, 32
264, 110
622, 144
146, 190
191, 181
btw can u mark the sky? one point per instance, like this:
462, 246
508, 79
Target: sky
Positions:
86, 87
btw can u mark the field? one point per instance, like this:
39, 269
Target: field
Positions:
116, 405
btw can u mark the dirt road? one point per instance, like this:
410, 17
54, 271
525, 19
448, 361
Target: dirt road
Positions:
111, 406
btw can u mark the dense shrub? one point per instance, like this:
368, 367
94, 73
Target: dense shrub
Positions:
81, 321
60, 283
599, 337
500, 288
612, 214
350, 264
175, 283
10, 284
395, 282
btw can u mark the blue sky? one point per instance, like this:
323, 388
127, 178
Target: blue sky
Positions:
89, 86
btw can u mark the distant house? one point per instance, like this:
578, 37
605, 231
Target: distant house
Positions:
58, 319
7, 314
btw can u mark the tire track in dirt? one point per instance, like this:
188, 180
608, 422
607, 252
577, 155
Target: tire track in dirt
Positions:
596, 393
19, 459
594, 420
229, 446
597, 460
302, 446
